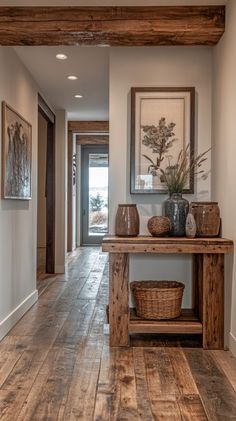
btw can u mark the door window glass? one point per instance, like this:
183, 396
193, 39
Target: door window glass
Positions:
98, 194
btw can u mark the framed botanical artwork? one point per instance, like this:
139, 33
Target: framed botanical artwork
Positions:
162, 124
16, 155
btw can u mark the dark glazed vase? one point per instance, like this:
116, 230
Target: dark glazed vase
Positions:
127, 221
176, 209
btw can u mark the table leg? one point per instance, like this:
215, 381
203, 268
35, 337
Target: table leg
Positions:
213, 301
197, 284
119, 299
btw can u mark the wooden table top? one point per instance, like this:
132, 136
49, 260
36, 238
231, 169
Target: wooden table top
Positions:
149, 244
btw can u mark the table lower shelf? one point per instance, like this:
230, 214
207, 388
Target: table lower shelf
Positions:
187, 323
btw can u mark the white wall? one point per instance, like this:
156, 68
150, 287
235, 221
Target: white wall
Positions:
224, 151
61, 191
161, 66
18, 218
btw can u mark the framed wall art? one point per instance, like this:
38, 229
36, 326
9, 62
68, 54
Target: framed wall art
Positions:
162, 124
16, 155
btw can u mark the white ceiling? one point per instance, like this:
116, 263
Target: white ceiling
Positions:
109, 2
90, 64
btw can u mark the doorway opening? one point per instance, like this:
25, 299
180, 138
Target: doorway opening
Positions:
94, 193
46, 190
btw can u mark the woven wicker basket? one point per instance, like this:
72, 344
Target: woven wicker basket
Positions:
158, 300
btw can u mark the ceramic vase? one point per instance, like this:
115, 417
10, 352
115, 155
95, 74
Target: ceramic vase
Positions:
190, 228
207, 217
127, 221
176, 209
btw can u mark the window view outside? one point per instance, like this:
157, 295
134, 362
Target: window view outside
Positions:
98, 194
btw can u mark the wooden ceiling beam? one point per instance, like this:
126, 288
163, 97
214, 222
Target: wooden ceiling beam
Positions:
88, 126
112, 26
92, 140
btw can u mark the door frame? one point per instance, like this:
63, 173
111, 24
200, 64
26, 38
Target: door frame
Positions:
92, 132
50, 186
84, 202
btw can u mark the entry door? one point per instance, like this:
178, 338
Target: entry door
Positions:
94, 177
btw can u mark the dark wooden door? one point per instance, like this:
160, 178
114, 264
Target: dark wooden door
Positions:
48, 115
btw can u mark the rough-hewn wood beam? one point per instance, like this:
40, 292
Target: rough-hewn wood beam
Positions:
114, 26
92, 140
88, 126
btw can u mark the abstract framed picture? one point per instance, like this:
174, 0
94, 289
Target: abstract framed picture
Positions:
16, 155
162, 124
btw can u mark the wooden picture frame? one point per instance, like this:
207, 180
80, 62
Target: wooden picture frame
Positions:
16, 155
166, 115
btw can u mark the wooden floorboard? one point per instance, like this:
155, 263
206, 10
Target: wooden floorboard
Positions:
217, 394
227, 363
56, 363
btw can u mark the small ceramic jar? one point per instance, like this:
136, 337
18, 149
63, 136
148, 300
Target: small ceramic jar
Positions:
207, 217
190, 228
127, 221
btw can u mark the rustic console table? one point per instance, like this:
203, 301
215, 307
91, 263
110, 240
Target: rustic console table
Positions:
207, 315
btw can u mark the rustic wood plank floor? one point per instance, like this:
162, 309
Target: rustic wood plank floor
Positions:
56, 364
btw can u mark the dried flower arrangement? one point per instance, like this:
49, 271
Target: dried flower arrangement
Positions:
175, 176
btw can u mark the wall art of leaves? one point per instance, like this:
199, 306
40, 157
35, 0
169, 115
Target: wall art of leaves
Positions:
16, 155
159, 139
162, 124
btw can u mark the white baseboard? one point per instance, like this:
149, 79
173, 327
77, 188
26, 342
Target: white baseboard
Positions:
12, 318
59, 269
232, 344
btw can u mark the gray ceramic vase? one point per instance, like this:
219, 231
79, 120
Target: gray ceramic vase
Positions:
176, 209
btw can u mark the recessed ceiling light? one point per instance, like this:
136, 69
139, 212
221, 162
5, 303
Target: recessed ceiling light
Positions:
78, 96
61, 56
72, 77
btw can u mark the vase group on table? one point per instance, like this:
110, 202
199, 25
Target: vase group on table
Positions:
176, 178
199, 219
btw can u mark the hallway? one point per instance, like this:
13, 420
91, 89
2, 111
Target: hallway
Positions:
55, 364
